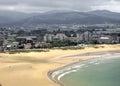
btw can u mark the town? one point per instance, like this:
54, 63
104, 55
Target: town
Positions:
12, 39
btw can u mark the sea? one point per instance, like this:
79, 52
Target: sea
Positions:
93, 72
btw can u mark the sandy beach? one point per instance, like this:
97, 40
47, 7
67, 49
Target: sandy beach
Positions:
31, 69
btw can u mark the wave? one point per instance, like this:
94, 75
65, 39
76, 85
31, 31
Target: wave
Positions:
78, 66
67, 70
57, 75
70, 69
62, 75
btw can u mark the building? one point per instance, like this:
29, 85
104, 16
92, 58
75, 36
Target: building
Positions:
49, 37
105, 40
60, 36
87, 36
80, 37
12, 46
42, 45
1, 39
26, 39
11, 38
28, 46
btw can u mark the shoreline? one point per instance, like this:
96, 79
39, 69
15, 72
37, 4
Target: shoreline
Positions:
35, 68
49, 74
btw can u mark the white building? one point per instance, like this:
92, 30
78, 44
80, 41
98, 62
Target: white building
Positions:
60, 36
80, 37
49, 37
105, 39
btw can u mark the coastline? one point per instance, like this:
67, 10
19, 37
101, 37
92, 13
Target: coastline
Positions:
35, 68
70, 64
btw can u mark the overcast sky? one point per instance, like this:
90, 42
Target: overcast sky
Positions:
49, 5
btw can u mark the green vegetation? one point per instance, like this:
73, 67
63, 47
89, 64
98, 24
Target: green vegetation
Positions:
93, 46
72, 48
27, 51
59, 43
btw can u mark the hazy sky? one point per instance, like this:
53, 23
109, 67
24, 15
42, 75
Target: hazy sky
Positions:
49, 5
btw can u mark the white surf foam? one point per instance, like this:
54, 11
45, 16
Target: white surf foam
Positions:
78, 66
56, 73
62, 75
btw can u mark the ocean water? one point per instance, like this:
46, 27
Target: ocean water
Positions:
95, 72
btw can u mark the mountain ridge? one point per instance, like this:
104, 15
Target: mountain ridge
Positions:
69, 17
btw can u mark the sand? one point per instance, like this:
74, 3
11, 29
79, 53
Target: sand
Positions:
30, 69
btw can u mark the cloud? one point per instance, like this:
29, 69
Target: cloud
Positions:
113, 5
49, 5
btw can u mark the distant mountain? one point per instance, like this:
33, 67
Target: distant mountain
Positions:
12, 16
107, 14
67, 17
5, 19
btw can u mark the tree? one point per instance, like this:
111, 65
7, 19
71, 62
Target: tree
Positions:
94, 42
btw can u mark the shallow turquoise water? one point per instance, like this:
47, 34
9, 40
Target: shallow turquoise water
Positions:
105, 73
